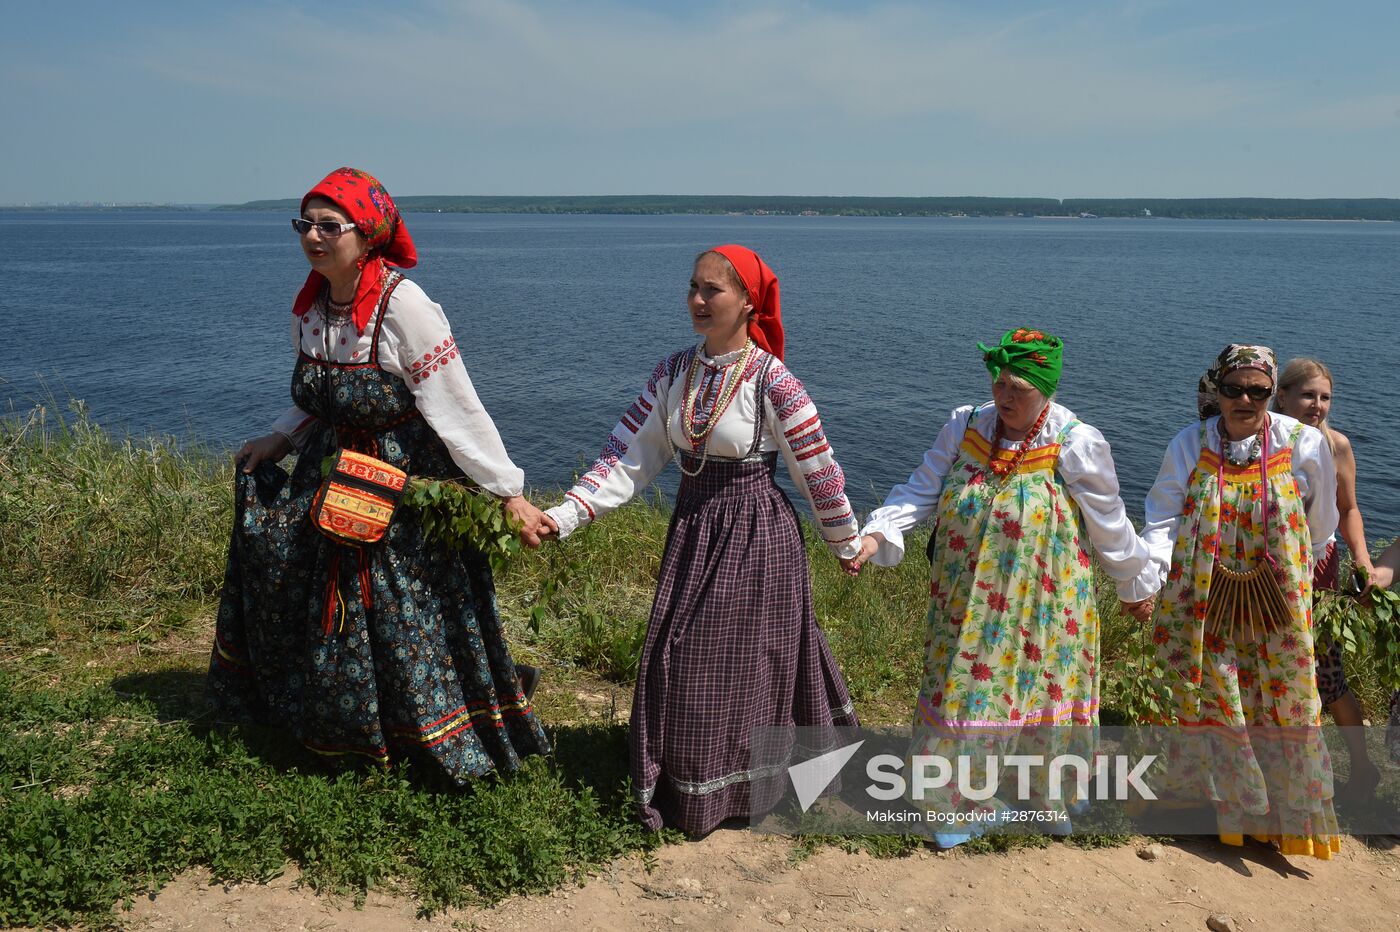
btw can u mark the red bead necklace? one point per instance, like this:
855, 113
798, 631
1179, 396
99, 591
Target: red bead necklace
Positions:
1003, 468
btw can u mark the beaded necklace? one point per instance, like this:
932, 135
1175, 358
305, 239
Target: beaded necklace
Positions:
1254, 447
1003, 468
733, 377
689, 398
334, 310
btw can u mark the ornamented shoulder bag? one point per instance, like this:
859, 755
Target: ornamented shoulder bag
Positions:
358, 497
1252, 600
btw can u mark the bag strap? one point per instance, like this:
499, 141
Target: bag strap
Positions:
1263, 490
391, 281
326, 369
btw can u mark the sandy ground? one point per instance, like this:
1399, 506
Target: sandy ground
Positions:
738, 880
735, 879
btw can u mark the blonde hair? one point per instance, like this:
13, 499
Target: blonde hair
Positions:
1294, 374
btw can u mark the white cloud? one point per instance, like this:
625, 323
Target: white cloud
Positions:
514, 63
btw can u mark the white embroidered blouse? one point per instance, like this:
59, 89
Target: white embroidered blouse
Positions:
639, 447
416, 345
1085, 466
1312, 470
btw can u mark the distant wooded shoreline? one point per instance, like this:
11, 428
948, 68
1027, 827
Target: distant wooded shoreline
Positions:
1225, 208
1379, 209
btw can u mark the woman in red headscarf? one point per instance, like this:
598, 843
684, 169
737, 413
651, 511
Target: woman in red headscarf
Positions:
732, 643
395, 647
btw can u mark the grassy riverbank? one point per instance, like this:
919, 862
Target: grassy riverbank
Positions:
111, 556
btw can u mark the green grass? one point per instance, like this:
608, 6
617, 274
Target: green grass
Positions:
105, 537
111, 555
105, 801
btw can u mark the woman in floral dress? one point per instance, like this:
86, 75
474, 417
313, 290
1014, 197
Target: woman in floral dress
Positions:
1245, 491
394, 649
1013, 630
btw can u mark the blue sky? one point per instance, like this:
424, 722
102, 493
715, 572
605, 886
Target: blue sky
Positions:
226, 102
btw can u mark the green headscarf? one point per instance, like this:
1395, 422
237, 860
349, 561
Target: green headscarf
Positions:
1035, 356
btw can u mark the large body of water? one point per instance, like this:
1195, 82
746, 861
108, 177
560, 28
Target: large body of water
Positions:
177, 323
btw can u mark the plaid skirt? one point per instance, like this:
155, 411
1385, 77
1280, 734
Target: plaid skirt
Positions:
732, 645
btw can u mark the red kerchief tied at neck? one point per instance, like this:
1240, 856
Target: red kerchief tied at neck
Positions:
369, 207
766, 327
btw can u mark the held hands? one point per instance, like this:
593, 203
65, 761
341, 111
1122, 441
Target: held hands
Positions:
535, 525
271, 447
869, 544
549, 529
1142, 611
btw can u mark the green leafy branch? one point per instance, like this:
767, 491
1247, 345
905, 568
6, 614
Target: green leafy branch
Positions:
1362, 624
458, 517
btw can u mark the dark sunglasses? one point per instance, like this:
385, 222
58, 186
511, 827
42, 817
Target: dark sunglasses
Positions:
1255, 392
327, 228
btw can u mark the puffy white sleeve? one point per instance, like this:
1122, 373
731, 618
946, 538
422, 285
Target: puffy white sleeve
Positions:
1166, 500
416, 344
635, 452
295, 424
1316, 476
1086, 466
794, 422
915, 500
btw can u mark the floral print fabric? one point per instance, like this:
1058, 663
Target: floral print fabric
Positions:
1246, 705
411, 658
1013, 628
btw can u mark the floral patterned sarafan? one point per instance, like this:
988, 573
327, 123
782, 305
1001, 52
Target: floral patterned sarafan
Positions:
392, 651
1238, 691
1013, 628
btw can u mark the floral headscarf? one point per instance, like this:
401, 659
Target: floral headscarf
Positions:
369, 207
766, 327
1235, 356
1035, 356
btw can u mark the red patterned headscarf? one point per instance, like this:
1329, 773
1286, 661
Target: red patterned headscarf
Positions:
766, 326
370, 208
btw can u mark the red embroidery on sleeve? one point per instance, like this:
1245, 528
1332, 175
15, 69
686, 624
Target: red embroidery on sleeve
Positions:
441, 355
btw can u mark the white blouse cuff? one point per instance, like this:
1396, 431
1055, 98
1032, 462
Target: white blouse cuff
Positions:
294, 424
891, 551
1144, 585
290, 438
566, 516
847, 550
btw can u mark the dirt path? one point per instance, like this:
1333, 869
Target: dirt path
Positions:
736, 880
